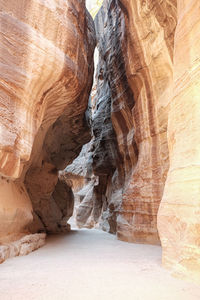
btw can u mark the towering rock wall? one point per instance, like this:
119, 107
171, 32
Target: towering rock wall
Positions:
179, 213
46, 69
140, 172
129, 122
146, 101
112, 100
148, 52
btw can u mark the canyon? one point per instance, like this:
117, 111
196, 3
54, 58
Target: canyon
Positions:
113, 140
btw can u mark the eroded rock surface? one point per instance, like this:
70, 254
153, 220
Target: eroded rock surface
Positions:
111, 104
179, 213
23, 246
46, 73
149, 62
145, 127
130, 114
144, 113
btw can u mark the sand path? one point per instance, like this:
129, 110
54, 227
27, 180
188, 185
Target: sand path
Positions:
91, 264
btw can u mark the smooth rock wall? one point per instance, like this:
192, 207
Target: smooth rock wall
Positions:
46, 73
179, 213
148, 52
134, 80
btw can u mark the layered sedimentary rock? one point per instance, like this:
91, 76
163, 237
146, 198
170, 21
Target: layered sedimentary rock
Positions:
22, 246
46, 69
162, 69
148, 51
143, 111
80, 177
147, 102
130, 114
111, 103
179, 213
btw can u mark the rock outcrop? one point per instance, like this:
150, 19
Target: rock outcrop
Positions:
111, 103
46, 73
23, 246
130, 114
179, 213
145, 142
148, 55
138, 174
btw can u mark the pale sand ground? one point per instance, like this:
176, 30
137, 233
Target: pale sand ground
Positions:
91, 264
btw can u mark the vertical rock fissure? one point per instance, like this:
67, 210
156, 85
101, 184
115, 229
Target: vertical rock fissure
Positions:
128, 151
137, 172
113, 150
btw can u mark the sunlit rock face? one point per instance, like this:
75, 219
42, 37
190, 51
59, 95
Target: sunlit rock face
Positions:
46, 57
138, 174
155, 128
179, 213
111, 103
148, 52
133, 90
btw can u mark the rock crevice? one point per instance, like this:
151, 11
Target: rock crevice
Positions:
144, 150
137, 175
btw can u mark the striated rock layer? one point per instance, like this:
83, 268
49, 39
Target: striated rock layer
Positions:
145, 146
111, 103
148, 51
139, 174
23, 246
130, 114
179, 213
46, 68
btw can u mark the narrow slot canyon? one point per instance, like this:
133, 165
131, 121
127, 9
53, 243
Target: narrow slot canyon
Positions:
99, 149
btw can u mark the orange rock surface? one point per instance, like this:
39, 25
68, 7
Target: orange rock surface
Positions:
139, 176
179, 213
157, 129
148, 52
45, 72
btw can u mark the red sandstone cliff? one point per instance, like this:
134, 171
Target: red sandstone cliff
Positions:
139, 175
46, 68
145, 147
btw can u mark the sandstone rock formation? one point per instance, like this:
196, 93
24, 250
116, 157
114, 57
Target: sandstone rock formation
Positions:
138, 174
145, 127
46, 73
149, 62
111, 102
179, 213
130, 152
23, 246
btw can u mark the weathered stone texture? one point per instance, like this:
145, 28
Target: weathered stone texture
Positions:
46, 73
179, 213
109, 159
162, 70
130, 113
143, 111
23, 246
149, 67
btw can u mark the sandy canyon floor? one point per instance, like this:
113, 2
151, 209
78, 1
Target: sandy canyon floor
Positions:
91, 264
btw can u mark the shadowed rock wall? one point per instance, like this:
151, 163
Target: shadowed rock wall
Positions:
140, 171
130, 113
146, 99
179, 213
46, 73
